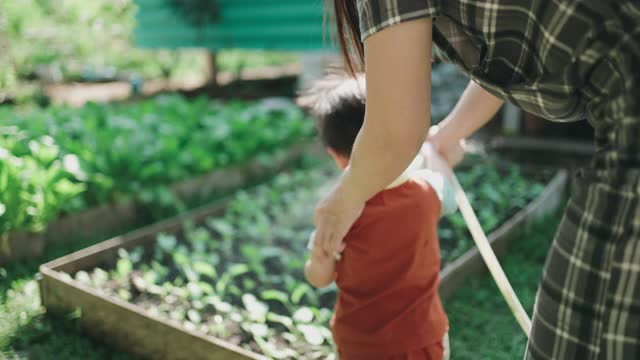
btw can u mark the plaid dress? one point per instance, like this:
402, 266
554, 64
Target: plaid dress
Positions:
563, 60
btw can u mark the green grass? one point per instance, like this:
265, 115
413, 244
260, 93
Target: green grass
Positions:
481, 325
26, 332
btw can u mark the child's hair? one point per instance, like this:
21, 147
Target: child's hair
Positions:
337, 103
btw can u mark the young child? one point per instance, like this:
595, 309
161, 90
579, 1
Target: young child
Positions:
388, 305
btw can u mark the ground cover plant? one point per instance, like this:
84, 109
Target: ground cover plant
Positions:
63, 160
478, 308
496, 190
26, 332
239, 276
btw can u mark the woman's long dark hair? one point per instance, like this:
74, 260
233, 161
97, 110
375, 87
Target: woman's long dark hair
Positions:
345, 16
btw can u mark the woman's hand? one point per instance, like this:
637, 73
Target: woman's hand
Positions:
320, 268
452, 153
334, 216
475, 108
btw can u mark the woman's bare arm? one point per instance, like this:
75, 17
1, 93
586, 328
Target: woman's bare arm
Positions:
474, 109
398, 71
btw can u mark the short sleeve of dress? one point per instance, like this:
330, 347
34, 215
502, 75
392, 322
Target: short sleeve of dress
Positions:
376, 15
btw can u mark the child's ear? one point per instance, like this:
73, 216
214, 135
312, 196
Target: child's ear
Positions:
341, 160
333, 154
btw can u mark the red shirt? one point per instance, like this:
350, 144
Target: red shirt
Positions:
389, 274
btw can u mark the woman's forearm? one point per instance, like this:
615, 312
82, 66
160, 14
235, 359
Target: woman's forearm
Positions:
398, 106
474, 109
380, 155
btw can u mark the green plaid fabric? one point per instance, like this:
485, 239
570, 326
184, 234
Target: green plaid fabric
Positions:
563, 60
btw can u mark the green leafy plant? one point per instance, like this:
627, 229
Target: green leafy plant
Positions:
477, 307
62, 160
35, 186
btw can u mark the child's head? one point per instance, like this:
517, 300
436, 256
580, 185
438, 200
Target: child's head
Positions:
337, 103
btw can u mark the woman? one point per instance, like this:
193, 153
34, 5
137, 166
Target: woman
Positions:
560, 60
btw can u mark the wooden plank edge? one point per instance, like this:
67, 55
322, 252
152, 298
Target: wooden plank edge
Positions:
141, 235
52, 279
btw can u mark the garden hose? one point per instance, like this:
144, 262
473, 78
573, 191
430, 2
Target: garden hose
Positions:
490, 257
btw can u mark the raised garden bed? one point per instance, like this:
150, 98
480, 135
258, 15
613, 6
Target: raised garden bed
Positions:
242, 84
112, 218
471, 261
226, 281
74, 165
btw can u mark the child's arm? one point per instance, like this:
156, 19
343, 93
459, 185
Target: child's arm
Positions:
320, 268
